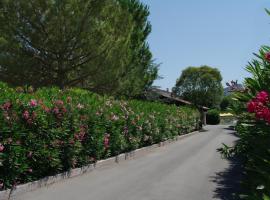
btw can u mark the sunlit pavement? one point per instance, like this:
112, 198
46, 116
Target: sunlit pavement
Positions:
185, 170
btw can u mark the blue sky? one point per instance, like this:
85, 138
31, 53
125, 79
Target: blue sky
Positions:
219, 33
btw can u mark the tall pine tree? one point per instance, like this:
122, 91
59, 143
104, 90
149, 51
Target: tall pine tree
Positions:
95, 44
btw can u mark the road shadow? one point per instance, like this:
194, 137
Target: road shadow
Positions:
229, 181
203, 130
231, 130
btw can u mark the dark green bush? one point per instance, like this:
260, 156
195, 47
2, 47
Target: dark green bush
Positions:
212, 117
50, 131
226, 102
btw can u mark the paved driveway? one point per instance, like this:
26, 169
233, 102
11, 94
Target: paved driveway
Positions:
189, 169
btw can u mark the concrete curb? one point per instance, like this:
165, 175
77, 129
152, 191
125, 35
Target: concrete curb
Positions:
21, 189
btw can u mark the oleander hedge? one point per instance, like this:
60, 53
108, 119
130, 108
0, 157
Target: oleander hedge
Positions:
49, 131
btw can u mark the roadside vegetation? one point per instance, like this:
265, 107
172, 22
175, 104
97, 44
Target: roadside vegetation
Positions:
51, 130
65, 49
212, 117
77, 60
201, 86
252, 106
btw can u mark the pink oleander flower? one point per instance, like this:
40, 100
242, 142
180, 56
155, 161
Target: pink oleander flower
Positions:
7, 106
107, 141
2, 147
59, 103
251, 106
64, 110
267, 56
26, 115
30, 170
56, 110
77, 136
266, 114
259, 106
33, 103
263, 97
80, 136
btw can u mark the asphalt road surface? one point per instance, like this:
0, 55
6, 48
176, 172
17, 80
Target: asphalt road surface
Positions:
189, 169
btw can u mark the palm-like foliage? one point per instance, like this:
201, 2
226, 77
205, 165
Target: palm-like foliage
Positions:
254, 133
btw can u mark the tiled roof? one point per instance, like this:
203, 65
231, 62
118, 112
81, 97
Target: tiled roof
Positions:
170, 95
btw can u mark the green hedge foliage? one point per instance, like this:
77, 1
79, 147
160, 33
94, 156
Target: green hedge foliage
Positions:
49, 131
212, 117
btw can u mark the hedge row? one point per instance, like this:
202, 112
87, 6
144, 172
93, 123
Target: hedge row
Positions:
213, 117
49, 131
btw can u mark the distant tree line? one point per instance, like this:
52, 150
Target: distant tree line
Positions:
98, 45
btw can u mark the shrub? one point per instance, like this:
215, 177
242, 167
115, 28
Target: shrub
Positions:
50, 131
213, 117
253, 128
226, 102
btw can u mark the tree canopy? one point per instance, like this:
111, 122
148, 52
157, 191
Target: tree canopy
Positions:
200, 85
94, 44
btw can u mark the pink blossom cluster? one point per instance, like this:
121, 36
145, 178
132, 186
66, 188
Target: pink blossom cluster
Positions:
1, 147
260, 106
80, 136
29, 117
33, 103
59, 109
6, 106
107, 141
267, 56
